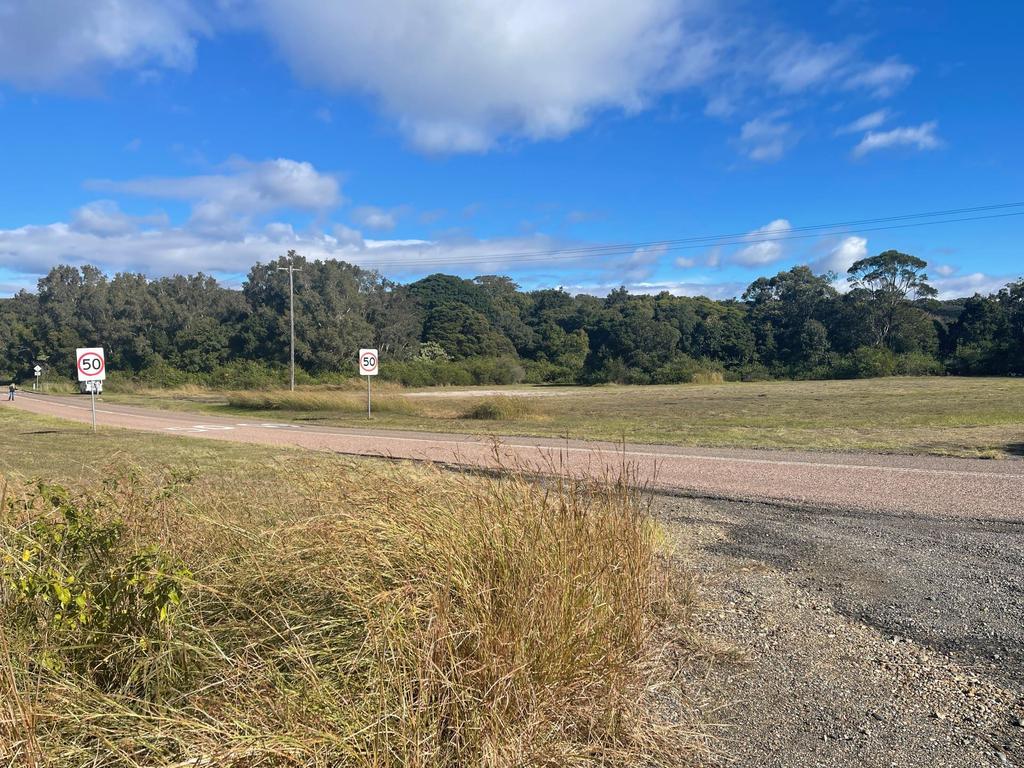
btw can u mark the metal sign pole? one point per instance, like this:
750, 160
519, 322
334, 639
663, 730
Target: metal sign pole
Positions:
94, 406
368, 416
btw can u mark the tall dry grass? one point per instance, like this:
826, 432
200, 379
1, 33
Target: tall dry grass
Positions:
501, 408
383, 615
320, 400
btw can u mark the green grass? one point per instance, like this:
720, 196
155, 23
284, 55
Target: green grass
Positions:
194, 604
932, 415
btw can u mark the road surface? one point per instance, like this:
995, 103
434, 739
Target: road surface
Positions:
920, 485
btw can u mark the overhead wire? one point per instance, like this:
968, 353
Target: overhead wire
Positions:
709, 241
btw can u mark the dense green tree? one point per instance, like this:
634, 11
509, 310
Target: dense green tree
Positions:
891, 279
464, 332
786, 314
791, 324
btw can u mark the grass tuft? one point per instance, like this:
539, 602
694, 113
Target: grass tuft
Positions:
360, 614
500, 408
707, 377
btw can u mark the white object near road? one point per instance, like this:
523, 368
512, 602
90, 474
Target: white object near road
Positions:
91, 364
92, 369
368, 362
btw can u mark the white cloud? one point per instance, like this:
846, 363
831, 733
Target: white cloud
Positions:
105, 217
157, 251
686, 263
842, 256
727, 290
867, 122
763, 248
883, 79
224, 203
372, 217
922, 137
766, 138
458, 76
944, 270
461, 77
56, 43
968, 285
639, 265
720, 105
796, 65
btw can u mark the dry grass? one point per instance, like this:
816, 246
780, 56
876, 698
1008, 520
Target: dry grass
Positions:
320, 401
500, 408
707, 377
359, 614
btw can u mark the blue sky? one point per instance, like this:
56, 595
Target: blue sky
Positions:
175, 135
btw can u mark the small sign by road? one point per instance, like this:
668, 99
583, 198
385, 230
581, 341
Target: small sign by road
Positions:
92, 367
368, 362
91, 364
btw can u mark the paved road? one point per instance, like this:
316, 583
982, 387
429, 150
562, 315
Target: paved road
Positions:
919, 485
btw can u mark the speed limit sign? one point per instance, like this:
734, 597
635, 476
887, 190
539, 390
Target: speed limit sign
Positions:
368, 362
91, 364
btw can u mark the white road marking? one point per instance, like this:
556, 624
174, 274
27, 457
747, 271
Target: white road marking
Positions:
201, 428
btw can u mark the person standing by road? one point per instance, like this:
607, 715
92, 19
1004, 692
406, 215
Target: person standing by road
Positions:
11, 390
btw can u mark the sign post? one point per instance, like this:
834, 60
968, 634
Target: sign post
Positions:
368, 362
38, 371
92, 368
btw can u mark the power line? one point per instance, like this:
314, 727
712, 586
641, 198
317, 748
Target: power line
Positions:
708, 241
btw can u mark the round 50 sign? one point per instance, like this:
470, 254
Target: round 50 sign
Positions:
91, 364
368, 362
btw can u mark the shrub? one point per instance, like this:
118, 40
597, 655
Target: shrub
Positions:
440, 372
866, 362
426, 373
755, 372
104, 607
501, 408
683, 369
249, 374
678, 370
918, 364
543, 372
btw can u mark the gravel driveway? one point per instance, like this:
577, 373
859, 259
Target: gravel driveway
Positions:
862, 639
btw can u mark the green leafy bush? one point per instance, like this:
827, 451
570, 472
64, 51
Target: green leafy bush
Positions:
918, 364
866, 363
104, 607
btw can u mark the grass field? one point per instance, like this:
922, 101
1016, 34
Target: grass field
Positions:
937, 415
177, 602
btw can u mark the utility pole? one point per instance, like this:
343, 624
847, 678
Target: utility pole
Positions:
291, 270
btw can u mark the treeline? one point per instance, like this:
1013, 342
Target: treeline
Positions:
448, 330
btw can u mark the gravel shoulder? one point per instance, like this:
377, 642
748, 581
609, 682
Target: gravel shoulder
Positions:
853, 639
